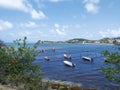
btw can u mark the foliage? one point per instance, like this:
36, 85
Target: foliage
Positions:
112, 71
17, 67
2, 43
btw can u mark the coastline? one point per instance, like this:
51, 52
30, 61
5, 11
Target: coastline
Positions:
59, 85
51, 85
69, 83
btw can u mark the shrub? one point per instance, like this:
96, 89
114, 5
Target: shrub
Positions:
112, 70
16, 65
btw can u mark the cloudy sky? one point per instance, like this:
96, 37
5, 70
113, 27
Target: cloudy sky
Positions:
59, 19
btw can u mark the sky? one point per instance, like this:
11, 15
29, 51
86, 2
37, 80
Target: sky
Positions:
59, 20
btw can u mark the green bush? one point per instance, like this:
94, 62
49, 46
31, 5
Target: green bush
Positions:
16, 65
112, 70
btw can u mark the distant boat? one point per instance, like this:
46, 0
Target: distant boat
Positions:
68, 63
67, 56
87, 58
53, 49
42, 50
47, 58
83, 42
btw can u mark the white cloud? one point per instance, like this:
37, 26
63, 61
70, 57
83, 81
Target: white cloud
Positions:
5, 25
56, 25
37, 14
91, 1
22, 5
110, 33
76, 26
60, 32
95, 1
92, 6
53, 0
14, 4
29, 24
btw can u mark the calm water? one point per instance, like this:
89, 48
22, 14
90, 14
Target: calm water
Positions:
84, 73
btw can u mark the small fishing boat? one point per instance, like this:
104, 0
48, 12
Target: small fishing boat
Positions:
67, 56
47, 58
53, 49
42, 50
87, 58
68, 63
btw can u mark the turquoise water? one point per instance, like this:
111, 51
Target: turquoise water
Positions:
84, 73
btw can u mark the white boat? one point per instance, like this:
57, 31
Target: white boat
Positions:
87, 58
47, 58
67, 56
68, 63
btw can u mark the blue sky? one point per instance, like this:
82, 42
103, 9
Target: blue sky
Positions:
59, 19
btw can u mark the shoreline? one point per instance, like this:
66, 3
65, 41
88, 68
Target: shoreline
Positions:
66, 85
57, 84
80, 85
69, 83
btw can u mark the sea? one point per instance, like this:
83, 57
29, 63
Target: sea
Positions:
85, 74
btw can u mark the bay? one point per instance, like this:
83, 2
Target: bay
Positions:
85, 73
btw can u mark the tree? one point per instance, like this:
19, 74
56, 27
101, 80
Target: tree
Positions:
2, 43
112, 70
17, 67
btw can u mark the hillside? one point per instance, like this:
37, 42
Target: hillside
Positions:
77, 40
115, 40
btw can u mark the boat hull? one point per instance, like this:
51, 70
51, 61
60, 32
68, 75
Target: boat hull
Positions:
66, 56
87, 58
69, 63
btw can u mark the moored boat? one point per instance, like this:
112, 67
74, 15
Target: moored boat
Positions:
87, 58
53, 49
68, 63
42, 50
67, 56
47, 58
